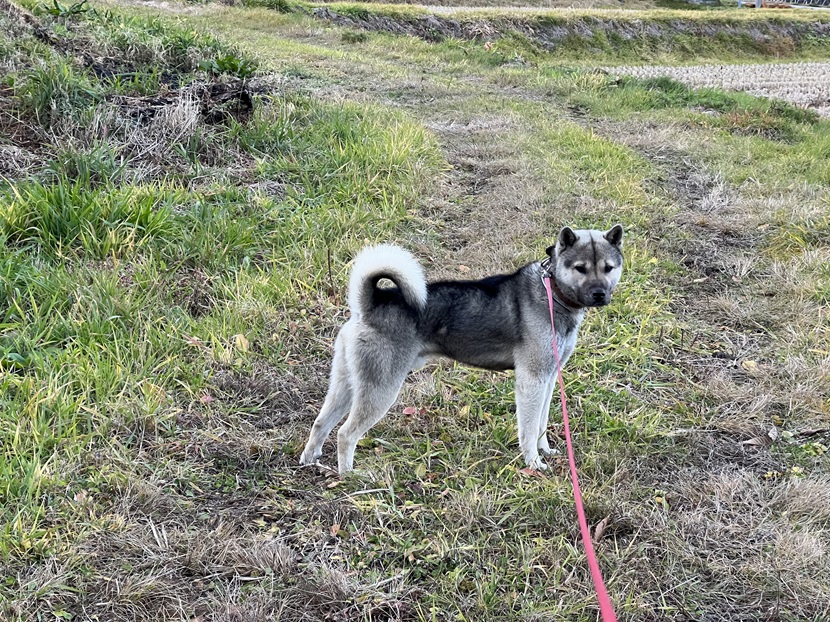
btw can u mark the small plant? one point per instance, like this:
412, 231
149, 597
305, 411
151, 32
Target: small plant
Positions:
56, 90
64, 12
98, 164
229, 63
281, 6
354, 36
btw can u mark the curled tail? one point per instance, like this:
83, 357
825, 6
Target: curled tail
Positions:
386, 262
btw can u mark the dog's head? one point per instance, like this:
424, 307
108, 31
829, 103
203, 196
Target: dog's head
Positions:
587, 264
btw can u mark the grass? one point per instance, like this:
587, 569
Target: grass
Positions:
173, 277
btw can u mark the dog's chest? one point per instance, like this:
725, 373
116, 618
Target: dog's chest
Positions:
566, 335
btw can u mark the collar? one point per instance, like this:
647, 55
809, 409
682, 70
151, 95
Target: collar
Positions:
558, 294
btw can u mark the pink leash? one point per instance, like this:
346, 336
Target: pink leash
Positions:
606, 609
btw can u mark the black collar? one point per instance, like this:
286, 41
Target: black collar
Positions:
558, 294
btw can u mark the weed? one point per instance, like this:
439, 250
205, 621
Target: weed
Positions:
98, 164
355, 36
64, 12
281, 6
58, 90
150, 42
66, 216
229, 63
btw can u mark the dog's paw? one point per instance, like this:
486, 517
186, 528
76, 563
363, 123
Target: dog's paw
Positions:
548, 451
308, 458
536, 464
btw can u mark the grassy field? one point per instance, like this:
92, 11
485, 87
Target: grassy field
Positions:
181, 191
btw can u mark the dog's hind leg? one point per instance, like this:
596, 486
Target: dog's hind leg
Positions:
374, 394
337, 404
531, 396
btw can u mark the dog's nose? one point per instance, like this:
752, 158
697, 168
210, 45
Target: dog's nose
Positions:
599, 296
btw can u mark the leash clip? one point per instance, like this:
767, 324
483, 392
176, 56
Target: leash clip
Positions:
546, 271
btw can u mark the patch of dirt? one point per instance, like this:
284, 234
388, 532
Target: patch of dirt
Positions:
25, 21
21, 143
218, 102
274, 397
489, 188
192, 291
714, 230
108, 67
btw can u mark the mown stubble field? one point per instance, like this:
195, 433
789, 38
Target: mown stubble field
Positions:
804, 84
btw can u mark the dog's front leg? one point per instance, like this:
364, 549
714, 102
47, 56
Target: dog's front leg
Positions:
531, 397
542, 439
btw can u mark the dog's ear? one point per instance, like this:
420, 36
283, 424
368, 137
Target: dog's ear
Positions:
567, 238
614, 235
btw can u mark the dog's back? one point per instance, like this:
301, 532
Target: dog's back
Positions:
474, 322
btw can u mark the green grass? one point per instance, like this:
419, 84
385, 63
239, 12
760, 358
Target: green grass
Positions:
171, 287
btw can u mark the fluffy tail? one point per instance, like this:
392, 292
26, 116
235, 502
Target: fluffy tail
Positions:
386, 262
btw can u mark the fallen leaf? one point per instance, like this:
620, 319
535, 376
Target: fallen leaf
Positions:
749, 365
531, 472
599, 530
154, 391
206, 398
463, 269
334, 529
811, 431
758, 440
241, 342
410, 410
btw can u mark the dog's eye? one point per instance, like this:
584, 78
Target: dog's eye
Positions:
608, 268
581, 269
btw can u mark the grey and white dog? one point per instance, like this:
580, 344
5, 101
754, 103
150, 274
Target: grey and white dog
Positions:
501, 322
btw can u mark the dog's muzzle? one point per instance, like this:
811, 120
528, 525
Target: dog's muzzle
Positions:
600, 297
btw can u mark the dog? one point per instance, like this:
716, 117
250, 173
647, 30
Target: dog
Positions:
497, 323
